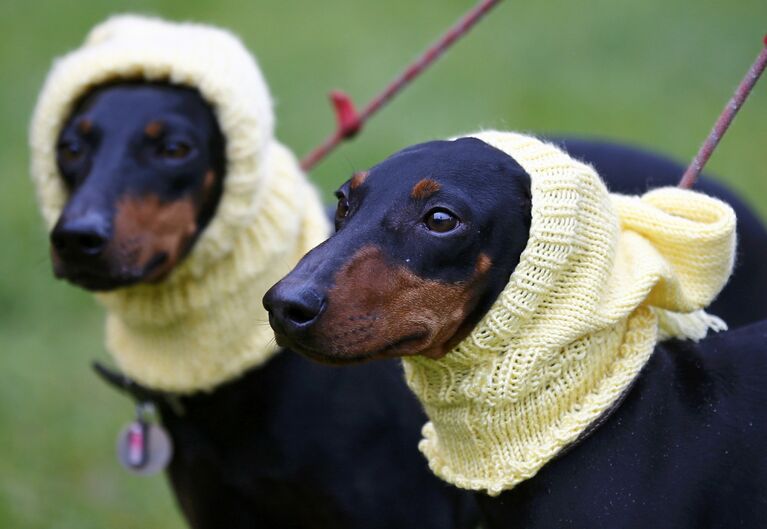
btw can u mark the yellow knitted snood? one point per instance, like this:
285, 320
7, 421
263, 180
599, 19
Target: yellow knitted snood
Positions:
601, 279
204, 324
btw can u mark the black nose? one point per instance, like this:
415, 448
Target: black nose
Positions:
81, 237
293, 307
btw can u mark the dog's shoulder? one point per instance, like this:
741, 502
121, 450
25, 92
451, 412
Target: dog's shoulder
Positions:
686, 445
719, 380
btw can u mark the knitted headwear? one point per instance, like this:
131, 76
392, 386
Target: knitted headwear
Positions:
600, 276
204, 324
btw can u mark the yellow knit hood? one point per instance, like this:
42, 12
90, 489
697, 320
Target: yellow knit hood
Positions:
603, 277
204, 324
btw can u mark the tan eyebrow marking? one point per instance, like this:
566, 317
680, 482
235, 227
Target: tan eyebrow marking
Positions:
424, 189
153, 129
85, 126
358, 179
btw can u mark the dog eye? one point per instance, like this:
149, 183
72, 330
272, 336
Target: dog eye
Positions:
71, 151
174, 150
342, 210
440, 220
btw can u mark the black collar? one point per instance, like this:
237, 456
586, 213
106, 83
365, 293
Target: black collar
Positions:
139, 393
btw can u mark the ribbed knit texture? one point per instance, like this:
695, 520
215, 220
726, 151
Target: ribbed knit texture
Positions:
576, 322
204, 324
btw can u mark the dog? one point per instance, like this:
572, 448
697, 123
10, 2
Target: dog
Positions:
426, 243
281, 446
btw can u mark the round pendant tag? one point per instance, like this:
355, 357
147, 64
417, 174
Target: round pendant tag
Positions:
144, 449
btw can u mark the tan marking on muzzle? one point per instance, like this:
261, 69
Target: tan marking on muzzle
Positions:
146, 227
379, 309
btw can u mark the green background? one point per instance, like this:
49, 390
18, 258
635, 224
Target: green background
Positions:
654, 73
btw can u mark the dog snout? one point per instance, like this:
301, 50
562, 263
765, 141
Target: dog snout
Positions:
81, 237
293, 307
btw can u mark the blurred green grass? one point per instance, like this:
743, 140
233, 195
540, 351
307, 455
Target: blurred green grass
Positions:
652, 73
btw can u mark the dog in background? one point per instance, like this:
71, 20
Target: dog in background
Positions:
167, 195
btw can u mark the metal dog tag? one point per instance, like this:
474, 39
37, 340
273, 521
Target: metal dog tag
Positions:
142, 447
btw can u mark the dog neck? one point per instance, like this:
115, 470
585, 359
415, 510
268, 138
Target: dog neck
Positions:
602, 278
205, 325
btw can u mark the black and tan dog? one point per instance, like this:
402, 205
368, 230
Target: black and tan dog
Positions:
284, 445
428, 239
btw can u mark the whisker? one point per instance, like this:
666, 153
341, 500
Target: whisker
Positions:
351, 165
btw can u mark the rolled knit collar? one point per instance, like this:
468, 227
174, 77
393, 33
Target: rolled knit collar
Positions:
602, 278
204, 324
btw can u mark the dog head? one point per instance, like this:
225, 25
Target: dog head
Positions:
143, 165
425, 243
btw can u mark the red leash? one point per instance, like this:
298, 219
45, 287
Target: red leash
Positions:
350, 121
725, 118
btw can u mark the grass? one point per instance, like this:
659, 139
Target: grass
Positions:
652, 73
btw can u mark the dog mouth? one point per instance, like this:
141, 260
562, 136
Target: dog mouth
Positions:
96, 279
153, 271
339, 354
99, 282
